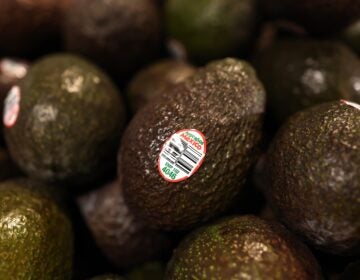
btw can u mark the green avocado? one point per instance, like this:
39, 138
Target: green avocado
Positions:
108, 277
148, 271
36, 239
122, 237
211, 29
243, 247
156, 79
120, 36
313, 168
317, 16
212, 126
69, 121
301, 73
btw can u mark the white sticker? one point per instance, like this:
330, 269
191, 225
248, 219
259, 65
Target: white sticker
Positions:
353, 104
12, 106
182, 155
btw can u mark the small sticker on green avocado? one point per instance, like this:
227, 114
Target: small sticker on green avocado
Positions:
12, 106
182, 155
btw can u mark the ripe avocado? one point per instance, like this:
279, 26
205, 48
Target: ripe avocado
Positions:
211, 29
36, 240
302, 73
27, 26
120, 35
313, 169
69, 121
155, 79
123, 238
108, 277
243, 247
317, 16
223, 103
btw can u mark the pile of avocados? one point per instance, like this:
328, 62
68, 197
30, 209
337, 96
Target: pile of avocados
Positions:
180, 140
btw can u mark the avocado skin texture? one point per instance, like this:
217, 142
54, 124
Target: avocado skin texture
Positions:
108, 277
211, 29
243, 247
28, 26
298, 74
121, 36
321, 17
155, 79
70, 121
225, 101
123, 238
36, 240
314, 180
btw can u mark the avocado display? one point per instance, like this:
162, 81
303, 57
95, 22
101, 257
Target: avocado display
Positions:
321, 17
30, 26
313, 169
123, 238
108, 277
302, 73
63, 121
186, 155
120, 36
243, 247
351, 36
156, 79
148, 271
211, 29
36, 240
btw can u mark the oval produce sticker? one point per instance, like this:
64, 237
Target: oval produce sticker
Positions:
182, 155
12, 106
353, 104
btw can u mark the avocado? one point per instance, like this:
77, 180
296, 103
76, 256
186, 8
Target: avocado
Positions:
120, 36
64, 121
148, 271
301, 73
155, 79
313, 169
351, 36
187, 153
108, 277
317, 16
242, 247
36, 240
30, 26
123, 238
211, 29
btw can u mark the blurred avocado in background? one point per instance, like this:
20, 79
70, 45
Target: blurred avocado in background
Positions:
211, 29
300, 73
155, 79
351, 35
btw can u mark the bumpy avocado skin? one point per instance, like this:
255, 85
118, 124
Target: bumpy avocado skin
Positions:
108, 277
36, 240
211, 29
120, 35
225, 101
155, 79
244, 247
298, 74
313, 170
70, 121
123, 238
317, 16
